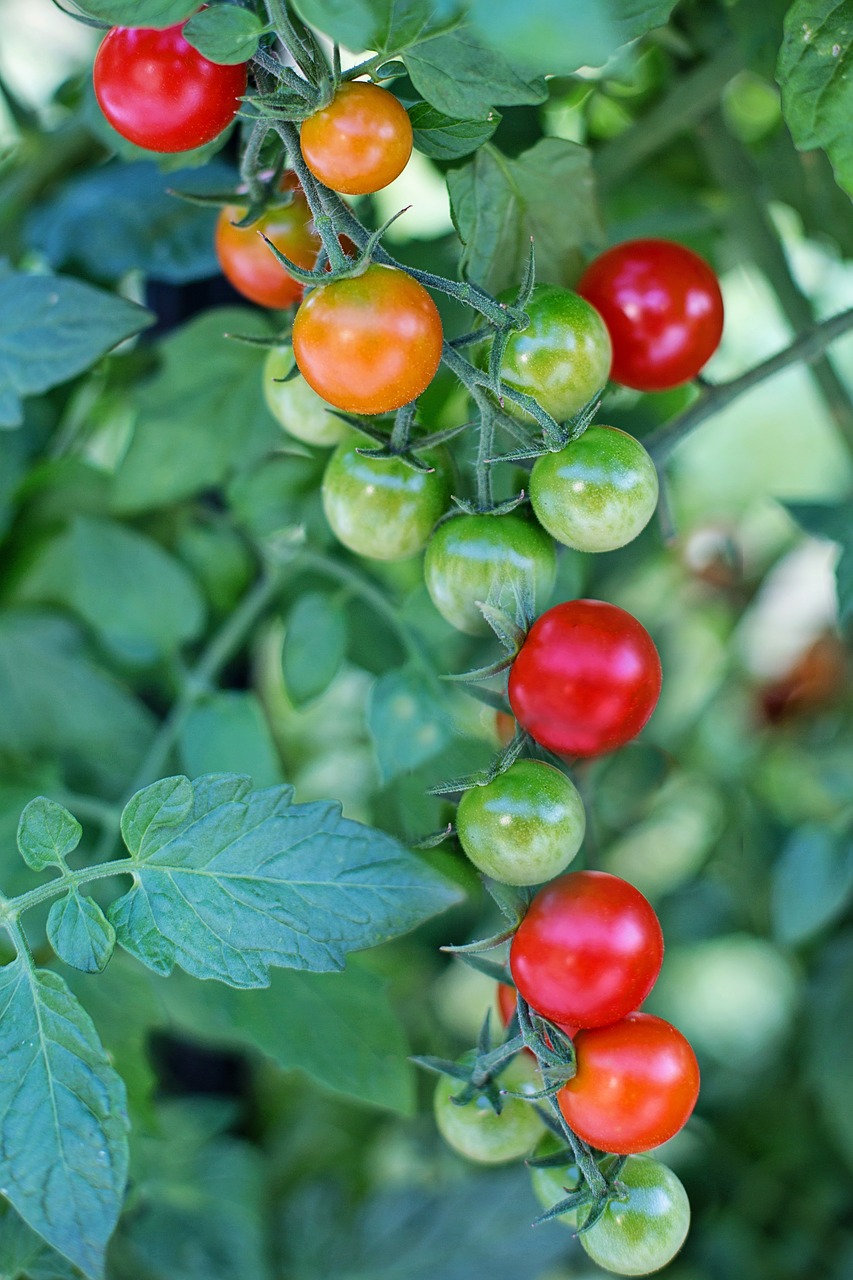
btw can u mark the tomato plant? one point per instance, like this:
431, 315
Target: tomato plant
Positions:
636, 1084
160, 93
643, 1228
246, 260
663, 308
586, 679
360, 142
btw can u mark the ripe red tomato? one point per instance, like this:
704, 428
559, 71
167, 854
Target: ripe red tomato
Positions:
160, 93
370, 343
663, 307
586, 679
360, 142
506, 1008
636, 1085
247, 261
588, 951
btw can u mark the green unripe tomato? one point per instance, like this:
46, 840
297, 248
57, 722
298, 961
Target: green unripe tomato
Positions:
563, 357
598, 493
296, 406
471, 558
645, 1230
379, 507
477, 1132
525, 826
553, 1184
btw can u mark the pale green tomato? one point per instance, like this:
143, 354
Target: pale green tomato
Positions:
525, 826
598, 493
553, 1184
477, 1132
296, 406
644, 1231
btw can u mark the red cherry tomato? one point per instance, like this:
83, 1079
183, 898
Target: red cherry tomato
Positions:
636, 1085
160, 93
588, 951
370, 343
506, 1008
586, 679
663, 307
360, 142
249, 263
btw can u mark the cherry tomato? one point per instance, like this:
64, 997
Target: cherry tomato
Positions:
477, 1131
588, 950
360, 142
586, 679
562, 358
249, 263
663, 307
296, 406
636, 1085
525, 826
160, 93
368, 344
643, 1229
379, 507
598, 493
553, 1183
486, 558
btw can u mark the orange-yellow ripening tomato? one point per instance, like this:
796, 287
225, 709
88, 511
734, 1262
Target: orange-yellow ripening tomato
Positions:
250, 264
360, 142
369, 343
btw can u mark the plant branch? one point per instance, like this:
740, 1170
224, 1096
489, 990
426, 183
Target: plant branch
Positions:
13, 908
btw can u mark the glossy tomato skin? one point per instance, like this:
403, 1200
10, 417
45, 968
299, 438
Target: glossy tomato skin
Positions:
160, 93
662, 305
471, 558
379, 507
643, 1230
562, 358
296, 406
524, 826
588, 950
596, 494
477, 1132
586, 679
636, 1085
360, 142
249, 263
368, 344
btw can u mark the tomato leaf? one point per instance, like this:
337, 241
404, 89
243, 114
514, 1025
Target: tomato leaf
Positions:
138, 13
247, 880
828, 1039
80, 933
812, 884
443, 138
406, 721
47, 833
498, 203
464, 78
229, 731
338, 1028
25, 1256
108, 575
314, 646
63, 1123
814, 73
834, 522
51, 329
224, 34
388, 26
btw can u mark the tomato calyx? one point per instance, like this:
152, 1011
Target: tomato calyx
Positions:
399, 443
344, 268
557, 438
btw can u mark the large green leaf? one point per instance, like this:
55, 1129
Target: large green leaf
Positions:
202, 416
55, 703
229, 731
230, 881
499, 203
52, 328
138, 13
224, 33
558, 36
25, 1256
121, 218
339, 1028
815, 72
833, 521
463, 77
812, 884
444, 138
63, 1123
108, 575
388, 26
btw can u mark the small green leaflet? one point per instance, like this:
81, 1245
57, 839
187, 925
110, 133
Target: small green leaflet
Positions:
546, 193
230, 881
833, 521
63, 1121
80, 933
314, 646
138, 13
815, 73
224, 34
443, 138
47, 833
407, 722
52, 328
